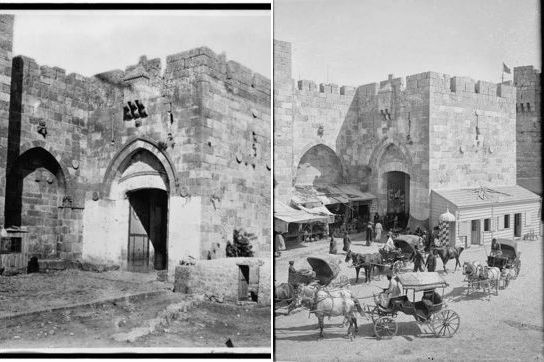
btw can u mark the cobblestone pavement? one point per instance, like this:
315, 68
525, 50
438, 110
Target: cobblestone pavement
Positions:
507, 326
42, 291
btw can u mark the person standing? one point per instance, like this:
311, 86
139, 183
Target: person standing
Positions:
430, 264
347, 242
279, 244
378, 228
369, 232
332, 246
418, 259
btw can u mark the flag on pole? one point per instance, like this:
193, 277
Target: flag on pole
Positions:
505, 69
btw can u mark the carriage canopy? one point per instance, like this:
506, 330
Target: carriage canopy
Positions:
421, 281
509, 248
325, 270
407, 243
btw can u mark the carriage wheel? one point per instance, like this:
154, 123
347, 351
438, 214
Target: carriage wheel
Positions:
385, 327
445, 323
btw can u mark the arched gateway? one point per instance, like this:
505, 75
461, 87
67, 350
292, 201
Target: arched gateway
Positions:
136, 189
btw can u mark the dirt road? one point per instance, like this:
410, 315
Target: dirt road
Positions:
204, 325
506, 327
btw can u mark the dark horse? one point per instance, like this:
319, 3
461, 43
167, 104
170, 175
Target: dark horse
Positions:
447, 253
367, 261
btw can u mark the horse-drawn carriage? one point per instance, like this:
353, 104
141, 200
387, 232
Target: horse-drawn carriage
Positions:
507, 260
429, 311
323, 272
407, 245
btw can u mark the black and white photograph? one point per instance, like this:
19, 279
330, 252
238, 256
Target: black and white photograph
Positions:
407, 180
135, 180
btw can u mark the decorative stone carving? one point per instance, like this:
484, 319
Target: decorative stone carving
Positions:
95, 196
75, 164
67, 201
42, 128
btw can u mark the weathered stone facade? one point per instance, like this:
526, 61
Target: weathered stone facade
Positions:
74, 148
527, 81
441, 131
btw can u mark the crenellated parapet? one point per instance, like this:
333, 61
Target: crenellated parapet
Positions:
203, 60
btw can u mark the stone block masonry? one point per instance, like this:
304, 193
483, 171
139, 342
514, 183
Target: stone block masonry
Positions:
222, 279
75, 153
527, 81
440, 131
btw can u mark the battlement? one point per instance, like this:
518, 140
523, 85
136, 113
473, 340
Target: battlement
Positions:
229, 71
45, 73
326, 88
438, 82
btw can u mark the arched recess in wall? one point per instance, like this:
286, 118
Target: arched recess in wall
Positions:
36, 186
391, 166
319, 165
139, 164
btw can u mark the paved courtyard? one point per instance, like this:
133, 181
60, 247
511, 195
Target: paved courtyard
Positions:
507, 326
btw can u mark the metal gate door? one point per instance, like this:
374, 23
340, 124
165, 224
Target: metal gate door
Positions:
138, 238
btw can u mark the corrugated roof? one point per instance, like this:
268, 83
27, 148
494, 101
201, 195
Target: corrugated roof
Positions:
484, 196
290, 215
330, 194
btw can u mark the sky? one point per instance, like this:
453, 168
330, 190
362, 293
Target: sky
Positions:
355, 42
92, 42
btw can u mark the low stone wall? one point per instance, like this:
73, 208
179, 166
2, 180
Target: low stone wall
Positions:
220, 278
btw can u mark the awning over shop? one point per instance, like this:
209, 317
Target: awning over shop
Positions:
330, 194
486, 196
284, 214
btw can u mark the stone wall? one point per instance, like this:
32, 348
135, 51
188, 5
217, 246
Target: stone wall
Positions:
220, 278
414, 125
199, 130
457, 157
283, 121
6, 46
528, 128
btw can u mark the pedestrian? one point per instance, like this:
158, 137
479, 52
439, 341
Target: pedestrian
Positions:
378, 229
369, 232
347, 242
292, 267
332, 246
395, 222
376, 218
418, 259
279, 244
306, 236
430, 264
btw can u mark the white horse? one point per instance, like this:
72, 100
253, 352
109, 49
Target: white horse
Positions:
491, 274
333, 303
470, 269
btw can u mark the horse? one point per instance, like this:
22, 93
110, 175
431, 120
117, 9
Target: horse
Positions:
508, 274
334, 303
448, 253
365, 261
470, 269
285, 293
492, 274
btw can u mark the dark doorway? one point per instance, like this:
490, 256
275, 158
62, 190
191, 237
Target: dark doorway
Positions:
475, 232
147, 230
517, 225
398, 196
243, 282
